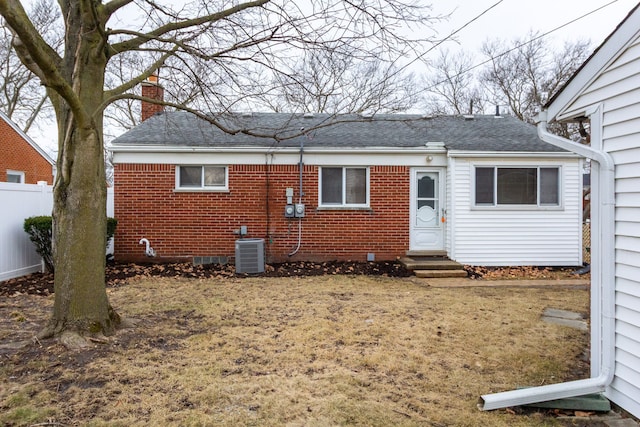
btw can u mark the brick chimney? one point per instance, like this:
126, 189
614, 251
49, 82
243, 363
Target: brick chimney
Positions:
151, 89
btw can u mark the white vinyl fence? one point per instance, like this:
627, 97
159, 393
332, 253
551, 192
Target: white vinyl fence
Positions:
18, 202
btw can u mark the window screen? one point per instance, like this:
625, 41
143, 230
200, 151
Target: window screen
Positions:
343, 186
535, 186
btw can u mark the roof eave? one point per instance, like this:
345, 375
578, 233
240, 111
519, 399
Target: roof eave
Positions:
603, 56
513, 154
260, 150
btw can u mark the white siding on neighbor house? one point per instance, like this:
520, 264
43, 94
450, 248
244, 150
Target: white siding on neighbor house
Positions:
449, 209
617, 89
625, 389
493, 237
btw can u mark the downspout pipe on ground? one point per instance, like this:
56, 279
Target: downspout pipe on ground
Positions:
602, 284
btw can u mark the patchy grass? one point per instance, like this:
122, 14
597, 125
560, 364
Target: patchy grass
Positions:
315, 351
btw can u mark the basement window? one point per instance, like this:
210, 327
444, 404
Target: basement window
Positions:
15, 177
344, 186
205, 178
517, 186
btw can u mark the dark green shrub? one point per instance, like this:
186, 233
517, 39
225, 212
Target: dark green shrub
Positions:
111, 228
39, 229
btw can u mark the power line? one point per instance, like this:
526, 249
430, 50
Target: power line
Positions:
450, 36
518, 46
447, 38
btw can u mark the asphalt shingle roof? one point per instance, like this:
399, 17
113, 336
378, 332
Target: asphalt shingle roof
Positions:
482, 133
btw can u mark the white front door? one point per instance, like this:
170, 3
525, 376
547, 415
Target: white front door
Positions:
426, 231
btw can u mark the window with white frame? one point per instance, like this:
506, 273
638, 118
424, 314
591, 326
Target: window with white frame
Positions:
344, 186
201, 178
513, 186
15, 176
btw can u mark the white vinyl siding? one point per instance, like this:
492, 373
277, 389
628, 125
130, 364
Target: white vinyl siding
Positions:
517, 237
617, 89
617, 86
450, 213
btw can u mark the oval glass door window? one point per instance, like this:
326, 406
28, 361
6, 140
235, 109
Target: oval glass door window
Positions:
427, 217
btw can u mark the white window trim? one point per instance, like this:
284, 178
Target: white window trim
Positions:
202, 188
515, 207
343, 205
18, 173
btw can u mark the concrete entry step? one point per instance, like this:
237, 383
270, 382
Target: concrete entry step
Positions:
431, 254
429, 263
432, 264
437, 274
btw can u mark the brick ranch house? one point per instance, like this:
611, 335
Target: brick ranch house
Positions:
482, 190
21, 159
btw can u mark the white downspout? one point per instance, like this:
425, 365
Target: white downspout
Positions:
602, 285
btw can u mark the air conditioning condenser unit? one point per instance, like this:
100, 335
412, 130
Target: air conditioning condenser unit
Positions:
250, 256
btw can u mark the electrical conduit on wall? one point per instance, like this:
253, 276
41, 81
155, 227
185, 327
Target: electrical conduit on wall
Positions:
300, 166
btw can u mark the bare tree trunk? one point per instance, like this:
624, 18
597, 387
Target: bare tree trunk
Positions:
81, 303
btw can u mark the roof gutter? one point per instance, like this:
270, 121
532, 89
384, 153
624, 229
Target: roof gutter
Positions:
512, 154
602, 282
262, 150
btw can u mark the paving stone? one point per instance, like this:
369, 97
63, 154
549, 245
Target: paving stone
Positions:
439, 273
580, 325
623, 422
564, 314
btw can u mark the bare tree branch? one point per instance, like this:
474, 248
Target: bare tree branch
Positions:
36, 54
111, 7
158, 32
130, 84
452, 88
523, 74
22, 97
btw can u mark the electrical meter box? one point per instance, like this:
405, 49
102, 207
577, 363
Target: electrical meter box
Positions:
299, 210
289, 211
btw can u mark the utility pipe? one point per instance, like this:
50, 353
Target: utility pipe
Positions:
149, 251
602, 284
300, 166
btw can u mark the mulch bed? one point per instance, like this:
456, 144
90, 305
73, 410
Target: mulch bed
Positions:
117, 274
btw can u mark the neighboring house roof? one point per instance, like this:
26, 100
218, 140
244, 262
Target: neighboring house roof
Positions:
26, 137
479, 133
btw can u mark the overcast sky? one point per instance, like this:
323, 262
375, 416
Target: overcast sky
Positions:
514, 18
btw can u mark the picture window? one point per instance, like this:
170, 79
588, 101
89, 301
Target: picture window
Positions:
512, 186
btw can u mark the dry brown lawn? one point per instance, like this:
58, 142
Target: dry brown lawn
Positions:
320, 351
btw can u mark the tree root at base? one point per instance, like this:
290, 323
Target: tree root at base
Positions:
79, 334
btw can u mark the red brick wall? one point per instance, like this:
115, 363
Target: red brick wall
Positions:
18, 155
153, 91
187, 224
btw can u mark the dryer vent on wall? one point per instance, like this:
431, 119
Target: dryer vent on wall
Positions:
250, 256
